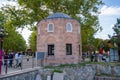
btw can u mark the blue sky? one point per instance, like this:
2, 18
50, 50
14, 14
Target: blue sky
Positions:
112, 2
110, 11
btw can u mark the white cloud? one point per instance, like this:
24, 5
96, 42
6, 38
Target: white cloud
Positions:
5, 3
25, 33
105, 10
102, 36
105, 32
112, 26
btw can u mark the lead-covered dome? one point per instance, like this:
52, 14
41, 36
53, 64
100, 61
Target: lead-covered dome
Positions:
58, 15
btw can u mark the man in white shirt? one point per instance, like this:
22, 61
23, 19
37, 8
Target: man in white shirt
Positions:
16, 59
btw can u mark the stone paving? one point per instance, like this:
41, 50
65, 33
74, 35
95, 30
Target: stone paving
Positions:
26, 64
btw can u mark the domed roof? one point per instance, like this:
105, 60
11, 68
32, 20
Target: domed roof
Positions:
58, 15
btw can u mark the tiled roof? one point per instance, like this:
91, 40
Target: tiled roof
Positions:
58, 15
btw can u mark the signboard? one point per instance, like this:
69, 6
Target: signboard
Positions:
40, 55
114, 55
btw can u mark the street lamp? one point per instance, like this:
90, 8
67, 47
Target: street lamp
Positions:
1, 37
2, 34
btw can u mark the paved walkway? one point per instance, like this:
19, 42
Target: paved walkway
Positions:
26, 65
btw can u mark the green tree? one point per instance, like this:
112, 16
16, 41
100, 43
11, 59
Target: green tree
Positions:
106, 46
85, 8
13, 41
1, 20
32, 41
116, 35
115, 39
97, 43
32, 11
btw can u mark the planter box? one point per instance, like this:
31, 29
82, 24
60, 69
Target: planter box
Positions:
58, 76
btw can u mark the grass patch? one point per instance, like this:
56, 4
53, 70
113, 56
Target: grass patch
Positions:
67, 65
58, 71
52, 67
83, 64
103, 63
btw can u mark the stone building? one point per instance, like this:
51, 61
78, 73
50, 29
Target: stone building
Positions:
58, 36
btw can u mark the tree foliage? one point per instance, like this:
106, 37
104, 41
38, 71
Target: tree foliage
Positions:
32, 41
13, 41
1, 20
32, 11
116, 35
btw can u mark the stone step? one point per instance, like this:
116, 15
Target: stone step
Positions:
106, 78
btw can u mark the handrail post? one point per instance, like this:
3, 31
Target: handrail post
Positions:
1, 66
6, 66
32, 61
21, 63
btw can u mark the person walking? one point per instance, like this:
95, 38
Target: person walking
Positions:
5, 59
0, 61
96, 56
83, 56
20, 60
100, 54
27, 57
16, 59
10, 59
91, 57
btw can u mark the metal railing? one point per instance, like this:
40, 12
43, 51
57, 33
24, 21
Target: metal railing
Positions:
26, 63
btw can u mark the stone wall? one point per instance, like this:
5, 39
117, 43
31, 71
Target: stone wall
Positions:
88, 72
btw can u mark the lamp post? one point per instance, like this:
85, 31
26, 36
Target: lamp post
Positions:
2, 34
1, 37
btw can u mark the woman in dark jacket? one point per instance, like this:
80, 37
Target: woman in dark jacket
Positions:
10, 59
5, 59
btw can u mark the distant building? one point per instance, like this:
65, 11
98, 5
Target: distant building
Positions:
59, 37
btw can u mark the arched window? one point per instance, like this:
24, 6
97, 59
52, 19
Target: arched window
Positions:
69, 27
50, 27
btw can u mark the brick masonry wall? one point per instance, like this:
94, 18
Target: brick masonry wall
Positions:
59, 38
